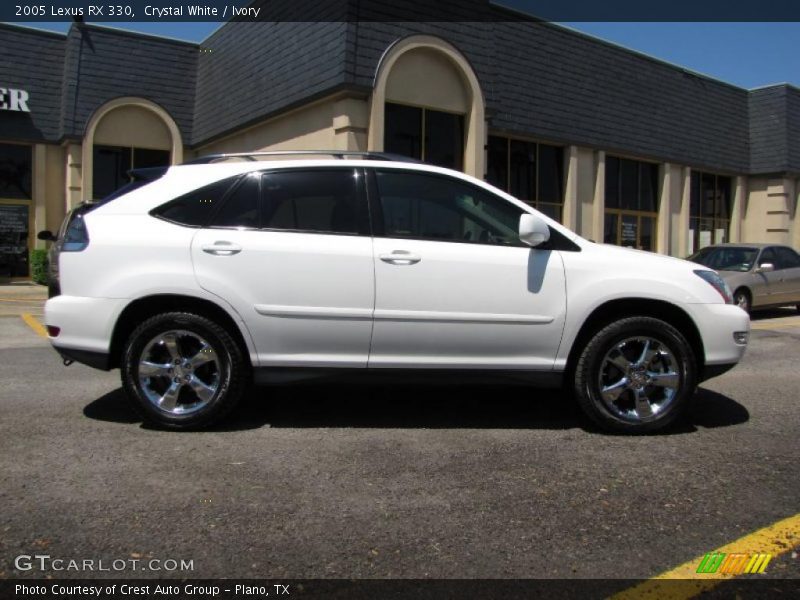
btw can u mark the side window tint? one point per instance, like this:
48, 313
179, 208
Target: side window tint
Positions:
787, 258
196, 207
241, 206
324, 201
439, 208
768, 256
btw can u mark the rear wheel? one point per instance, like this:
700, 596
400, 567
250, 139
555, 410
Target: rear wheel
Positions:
636, 375
183, 371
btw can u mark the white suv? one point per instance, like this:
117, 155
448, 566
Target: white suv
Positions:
206, 277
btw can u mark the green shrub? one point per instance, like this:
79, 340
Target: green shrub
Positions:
39, 266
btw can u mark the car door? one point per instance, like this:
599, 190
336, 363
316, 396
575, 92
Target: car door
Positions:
767, 285
455, 288
788, 269
297, 266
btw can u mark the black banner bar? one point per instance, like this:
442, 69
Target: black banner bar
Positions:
122, 11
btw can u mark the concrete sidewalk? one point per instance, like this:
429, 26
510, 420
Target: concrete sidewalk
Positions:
22, 297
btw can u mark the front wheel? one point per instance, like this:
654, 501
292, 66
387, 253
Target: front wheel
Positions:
636, 375
183, 371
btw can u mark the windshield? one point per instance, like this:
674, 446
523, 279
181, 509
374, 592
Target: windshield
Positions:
726, 259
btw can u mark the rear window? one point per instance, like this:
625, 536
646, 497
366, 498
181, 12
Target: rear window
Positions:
195, 208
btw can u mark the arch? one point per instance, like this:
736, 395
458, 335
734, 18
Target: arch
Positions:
175, 142
474, 155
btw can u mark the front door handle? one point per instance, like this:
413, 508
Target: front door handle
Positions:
400, 257
222, 248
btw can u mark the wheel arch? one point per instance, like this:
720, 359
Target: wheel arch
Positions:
613, 310
143, 308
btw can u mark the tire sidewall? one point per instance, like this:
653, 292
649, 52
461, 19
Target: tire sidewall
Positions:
601, 344
158, 325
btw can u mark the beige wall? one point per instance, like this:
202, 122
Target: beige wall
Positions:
334, 123
770, 210
425, 77
133, 126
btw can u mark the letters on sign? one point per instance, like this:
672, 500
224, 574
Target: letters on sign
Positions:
14, 99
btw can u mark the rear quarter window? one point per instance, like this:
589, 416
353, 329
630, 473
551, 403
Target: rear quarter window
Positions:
195, 208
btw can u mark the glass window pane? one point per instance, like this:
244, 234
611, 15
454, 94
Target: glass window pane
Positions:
497, 166
403, 130
14, 223
646, 233
694, 205
144, 158
610, 231
708, 194
241, 205
612, 182
324, 201
723, 208
15, 171
444, 139
443, 209
551, 174
787, 258
629, 184
648, 187
551, 210
523, 169
110, 169
195, 208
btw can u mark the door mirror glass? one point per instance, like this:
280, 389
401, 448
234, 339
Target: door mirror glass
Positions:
765, 268
46, 236
533, 230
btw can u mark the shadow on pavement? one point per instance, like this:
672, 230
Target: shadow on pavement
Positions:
774, 313
425, 407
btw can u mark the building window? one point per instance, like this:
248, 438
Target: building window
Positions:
432, 136
16, 165
709, 210
631, 203
112, 163
529, 171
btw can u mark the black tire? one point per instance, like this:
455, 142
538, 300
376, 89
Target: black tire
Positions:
221, 373
741, 298
628, 336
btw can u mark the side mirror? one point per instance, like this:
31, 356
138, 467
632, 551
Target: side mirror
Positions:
46, 236
765, 268
533, 230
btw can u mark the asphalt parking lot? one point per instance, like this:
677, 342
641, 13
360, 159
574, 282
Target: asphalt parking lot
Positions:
403, 482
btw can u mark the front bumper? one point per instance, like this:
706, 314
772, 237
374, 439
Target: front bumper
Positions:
717, 324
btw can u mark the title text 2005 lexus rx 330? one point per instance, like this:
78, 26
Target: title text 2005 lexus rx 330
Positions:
199, 279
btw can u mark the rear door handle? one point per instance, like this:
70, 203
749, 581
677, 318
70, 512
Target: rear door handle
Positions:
222, 248
400, 257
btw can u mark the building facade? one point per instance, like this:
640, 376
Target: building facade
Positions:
620, 147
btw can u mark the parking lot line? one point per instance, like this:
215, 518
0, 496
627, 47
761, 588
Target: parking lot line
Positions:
774, 540
34, 324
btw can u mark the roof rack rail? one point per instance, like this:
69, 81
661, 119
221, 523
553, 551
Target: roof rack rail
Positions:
340, 154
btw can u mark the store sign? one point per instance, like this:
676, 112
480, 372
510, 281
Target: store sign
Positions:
14, 99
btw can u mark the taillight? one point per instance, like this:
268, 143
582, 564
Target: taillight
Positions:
76, 237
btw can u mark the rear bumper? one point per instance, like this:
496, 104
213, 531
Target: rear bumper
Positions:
86, 326
96, 360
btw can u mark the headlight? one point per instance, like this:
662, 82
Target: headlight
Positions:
718, 283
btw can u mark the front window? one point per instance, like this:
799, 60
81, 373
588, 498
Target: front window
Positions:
631, 203
432, 207
529, 171
731, 258
710, 209
433, 136
112, 163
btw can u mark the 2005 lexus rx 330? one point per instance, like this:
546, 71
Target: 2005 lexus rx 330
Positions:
199, 279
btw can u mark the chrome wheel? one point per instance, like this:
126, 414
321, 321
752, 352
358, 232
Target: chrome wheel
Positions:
639, 379
742, 300
179, 372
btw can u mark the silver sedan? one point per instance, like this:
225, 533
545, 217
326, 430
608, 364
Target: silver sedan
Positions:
760, 275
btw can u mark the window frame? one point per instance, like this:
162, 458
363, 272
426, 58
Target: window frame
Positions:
376, 208
424, 130
536, 201
699, 218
